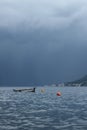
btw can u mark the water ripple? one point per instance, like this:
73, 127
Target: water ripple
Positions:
46, 111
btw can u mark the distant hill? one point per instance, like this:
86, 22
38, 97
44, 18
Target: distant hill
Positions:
80, 82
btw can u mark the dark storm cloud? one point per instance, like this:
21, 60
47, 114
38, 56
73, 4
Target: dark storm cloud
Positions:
42, 42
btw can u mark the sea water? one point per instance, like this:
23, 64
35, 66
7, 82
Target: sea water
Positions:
44, 110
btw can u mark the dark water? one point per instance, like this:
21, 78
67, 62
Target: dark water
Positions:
44, 111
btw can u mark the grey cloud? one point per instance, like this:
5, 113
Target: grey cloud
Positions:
42, 56
40, 13
42, 42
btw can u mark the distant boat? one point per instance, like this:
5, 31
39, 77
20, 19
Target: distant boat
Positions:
28, 90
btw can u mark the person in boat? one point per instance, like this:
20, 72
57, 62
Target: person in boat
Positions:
33, 90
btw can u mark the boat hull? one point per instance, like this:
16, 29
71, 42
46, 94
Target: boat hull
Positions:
21, 90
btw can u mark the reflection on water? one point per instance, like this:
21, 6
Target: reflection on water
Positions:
46, 111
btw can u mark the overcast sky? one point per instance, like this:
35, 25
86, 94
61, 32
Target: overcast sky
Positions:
42, 41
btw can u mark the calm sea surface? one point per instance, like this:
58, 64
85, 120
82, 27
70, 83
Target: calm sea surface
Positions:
44, 110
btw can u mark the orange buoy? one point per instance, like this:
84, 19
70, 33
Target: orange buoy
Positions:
58, 94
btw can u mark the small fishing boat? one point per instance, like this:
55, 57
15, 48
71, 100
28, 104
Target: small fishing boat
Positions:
28, 90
